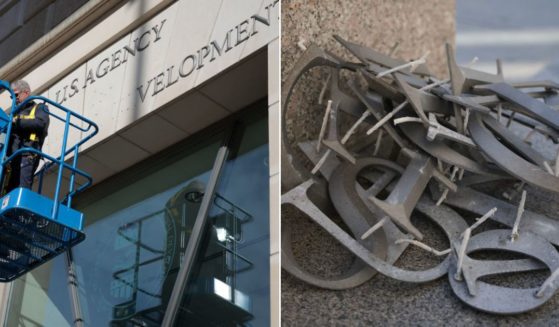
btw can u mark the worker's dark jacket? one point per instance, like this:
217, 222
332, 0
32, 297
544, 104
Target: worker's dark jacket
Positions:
30, 127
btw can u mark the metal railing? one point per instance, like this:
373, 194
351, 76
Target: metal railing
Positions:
66, 116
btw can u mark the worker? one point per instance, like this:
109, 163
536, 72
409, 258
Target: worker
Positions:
29, 129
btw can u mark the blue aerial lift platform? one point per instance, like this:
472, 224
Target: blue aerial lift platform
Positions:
34, 227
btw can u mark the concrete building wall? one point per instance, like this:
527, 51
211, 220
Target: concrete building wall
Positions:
24, 22
91, 78
134, 64
274, 113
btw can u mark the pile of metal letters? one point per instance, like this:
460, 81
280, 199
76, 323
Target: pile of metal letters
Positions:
394, 140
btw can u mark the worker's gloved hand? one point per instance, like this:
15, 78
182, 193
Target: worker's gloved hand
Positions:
16, 124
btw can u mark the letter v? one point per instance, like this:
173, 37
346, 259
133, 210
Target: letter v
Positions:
143, 92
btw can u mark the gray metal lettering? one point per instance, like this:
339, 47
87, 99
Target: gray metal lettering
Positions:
446, 135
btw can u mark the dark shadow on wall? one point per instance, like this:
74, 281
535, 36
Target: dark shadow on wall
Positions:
139, 70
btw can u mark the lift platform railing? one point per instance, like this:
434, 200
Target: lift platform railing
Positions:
89, 127
35, 228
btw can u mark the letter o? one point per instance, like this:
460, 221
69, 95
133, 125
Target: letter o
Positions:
181, 68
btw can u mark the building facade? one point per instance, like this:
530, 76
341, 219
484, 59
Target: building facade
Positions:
186, 96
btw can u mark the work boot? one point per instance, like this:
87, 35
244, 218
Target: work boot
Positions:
4, 251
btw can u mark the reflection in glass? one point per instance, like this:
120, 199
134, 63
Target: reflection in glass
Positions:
151, 264
213, 287
133, 277
129, 267
138, 230
236, 243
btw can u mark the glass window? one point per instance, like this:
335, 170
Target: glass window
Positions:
231, 275
41, 298
138, 226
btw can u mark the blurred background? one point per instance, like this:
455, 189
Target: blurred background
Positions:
524, 34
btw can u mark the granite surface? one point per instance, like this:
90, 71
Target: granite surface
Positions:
417, 25
383, 301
